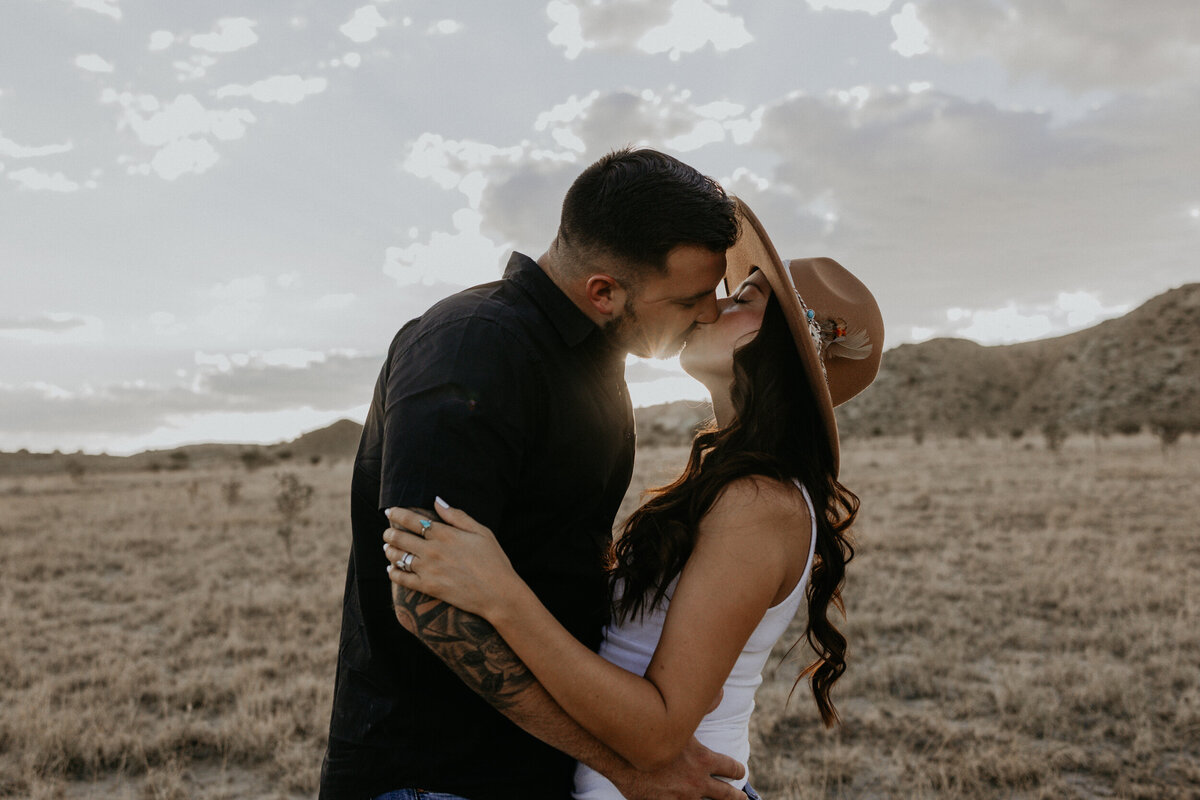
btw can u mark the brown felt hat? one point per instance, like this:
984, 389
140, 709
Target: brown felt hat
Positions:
834, 319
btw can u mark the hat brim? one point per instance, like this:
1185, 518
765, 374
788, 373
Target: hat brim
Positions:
754, 250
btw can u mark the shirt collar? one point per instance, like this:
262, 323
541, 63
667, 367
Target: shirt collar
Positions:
571, 323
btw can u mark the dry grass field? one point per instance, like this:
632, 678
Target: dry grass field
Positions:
1023, 624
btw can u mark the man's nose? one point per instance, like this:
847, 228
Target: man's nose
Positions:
710, 310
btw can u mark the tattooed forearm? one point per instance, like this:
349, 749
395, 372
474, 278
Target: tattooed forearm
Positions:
467, 644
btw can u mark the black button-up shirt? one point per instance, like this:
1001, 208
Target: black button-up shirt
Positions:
507, 401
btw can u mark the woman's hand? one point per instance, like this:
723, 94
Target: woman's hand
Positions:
454, 559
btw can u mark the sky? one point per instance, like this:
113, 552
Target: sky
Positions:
215, 216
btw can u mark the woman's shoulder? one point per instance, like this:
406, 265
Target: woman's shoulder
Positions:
757, 502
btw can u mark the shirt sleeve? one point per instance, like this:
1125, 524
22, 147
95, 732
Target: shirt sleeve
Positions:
457, 419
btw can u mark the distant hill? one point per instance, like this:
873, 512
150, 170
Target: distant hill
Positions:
332, 443
339, 440
1136, 370
1132, 372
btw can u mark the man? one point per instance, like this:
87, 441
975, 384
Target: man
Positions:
509, 400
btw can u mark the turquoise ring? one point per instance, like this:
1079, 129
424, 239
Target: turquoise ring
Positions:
425, 525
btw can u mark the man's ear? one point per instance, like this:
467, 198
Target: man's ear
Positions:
605, 294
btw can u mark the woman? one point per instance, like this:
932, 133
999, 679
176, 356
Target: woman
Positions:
708, 573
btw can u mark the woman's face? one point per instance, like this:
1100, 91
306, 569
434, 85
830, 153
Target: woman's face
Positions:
708, 353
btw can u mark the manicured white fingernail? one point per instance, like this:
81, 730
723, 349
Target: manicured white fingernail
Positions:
385, 547
389, 569
387, 512
440, 502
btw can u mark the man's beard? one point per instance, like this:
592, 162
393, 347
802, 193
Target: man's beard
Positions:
623, 331
619, 332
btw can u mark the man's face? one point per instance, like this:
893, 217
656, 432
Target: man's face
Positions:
665, 308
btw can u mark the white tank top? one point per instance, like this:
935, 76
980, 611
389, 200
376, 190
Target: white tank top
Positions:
726, 729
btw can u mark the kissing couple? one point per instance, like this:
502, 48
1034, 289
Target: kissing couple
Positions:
497, 641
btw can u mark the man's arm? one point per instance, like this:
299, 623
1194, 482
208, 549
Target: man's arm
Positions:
472, 649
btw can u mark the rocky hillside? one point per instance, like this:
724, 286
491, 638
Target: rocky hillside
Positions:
1136, 370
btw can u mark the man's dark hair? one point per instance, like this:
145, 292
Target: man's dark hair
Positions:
639, 204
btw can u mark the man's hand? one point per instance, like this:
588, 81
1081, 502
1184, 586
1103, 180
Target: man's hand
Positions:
686, 778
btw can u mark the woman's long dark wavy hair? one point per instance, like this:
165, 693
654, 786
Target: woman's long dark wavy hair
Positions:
777, 434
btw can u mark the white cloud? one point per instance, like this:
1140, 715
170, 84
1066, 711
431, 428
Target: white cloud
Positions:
39, 181
455, 164
55, 327
193, 68
912, 37
744, 175
1000, 325
183, 156
706, 132
445, 27
233, 33
693, 24
572, 109
568, 140
871, 7
10, 149
1015, 322
720, 109
252, 287
296, 357
472, 186
673, 27
1084, 308
567, 32
50, 323
463, 258
218, 361
276, 89
364, 25
164, 323
92, 63
743, 129
352, 60
856, 96
1080, 44
161, 40
108, 8
593, 123
179, 130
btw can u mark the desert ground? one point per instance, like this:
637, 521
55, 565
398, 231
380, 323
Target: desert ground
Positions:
1023, 623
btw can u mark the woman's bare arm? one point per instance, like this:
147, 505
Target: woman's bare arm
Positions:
744, 548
